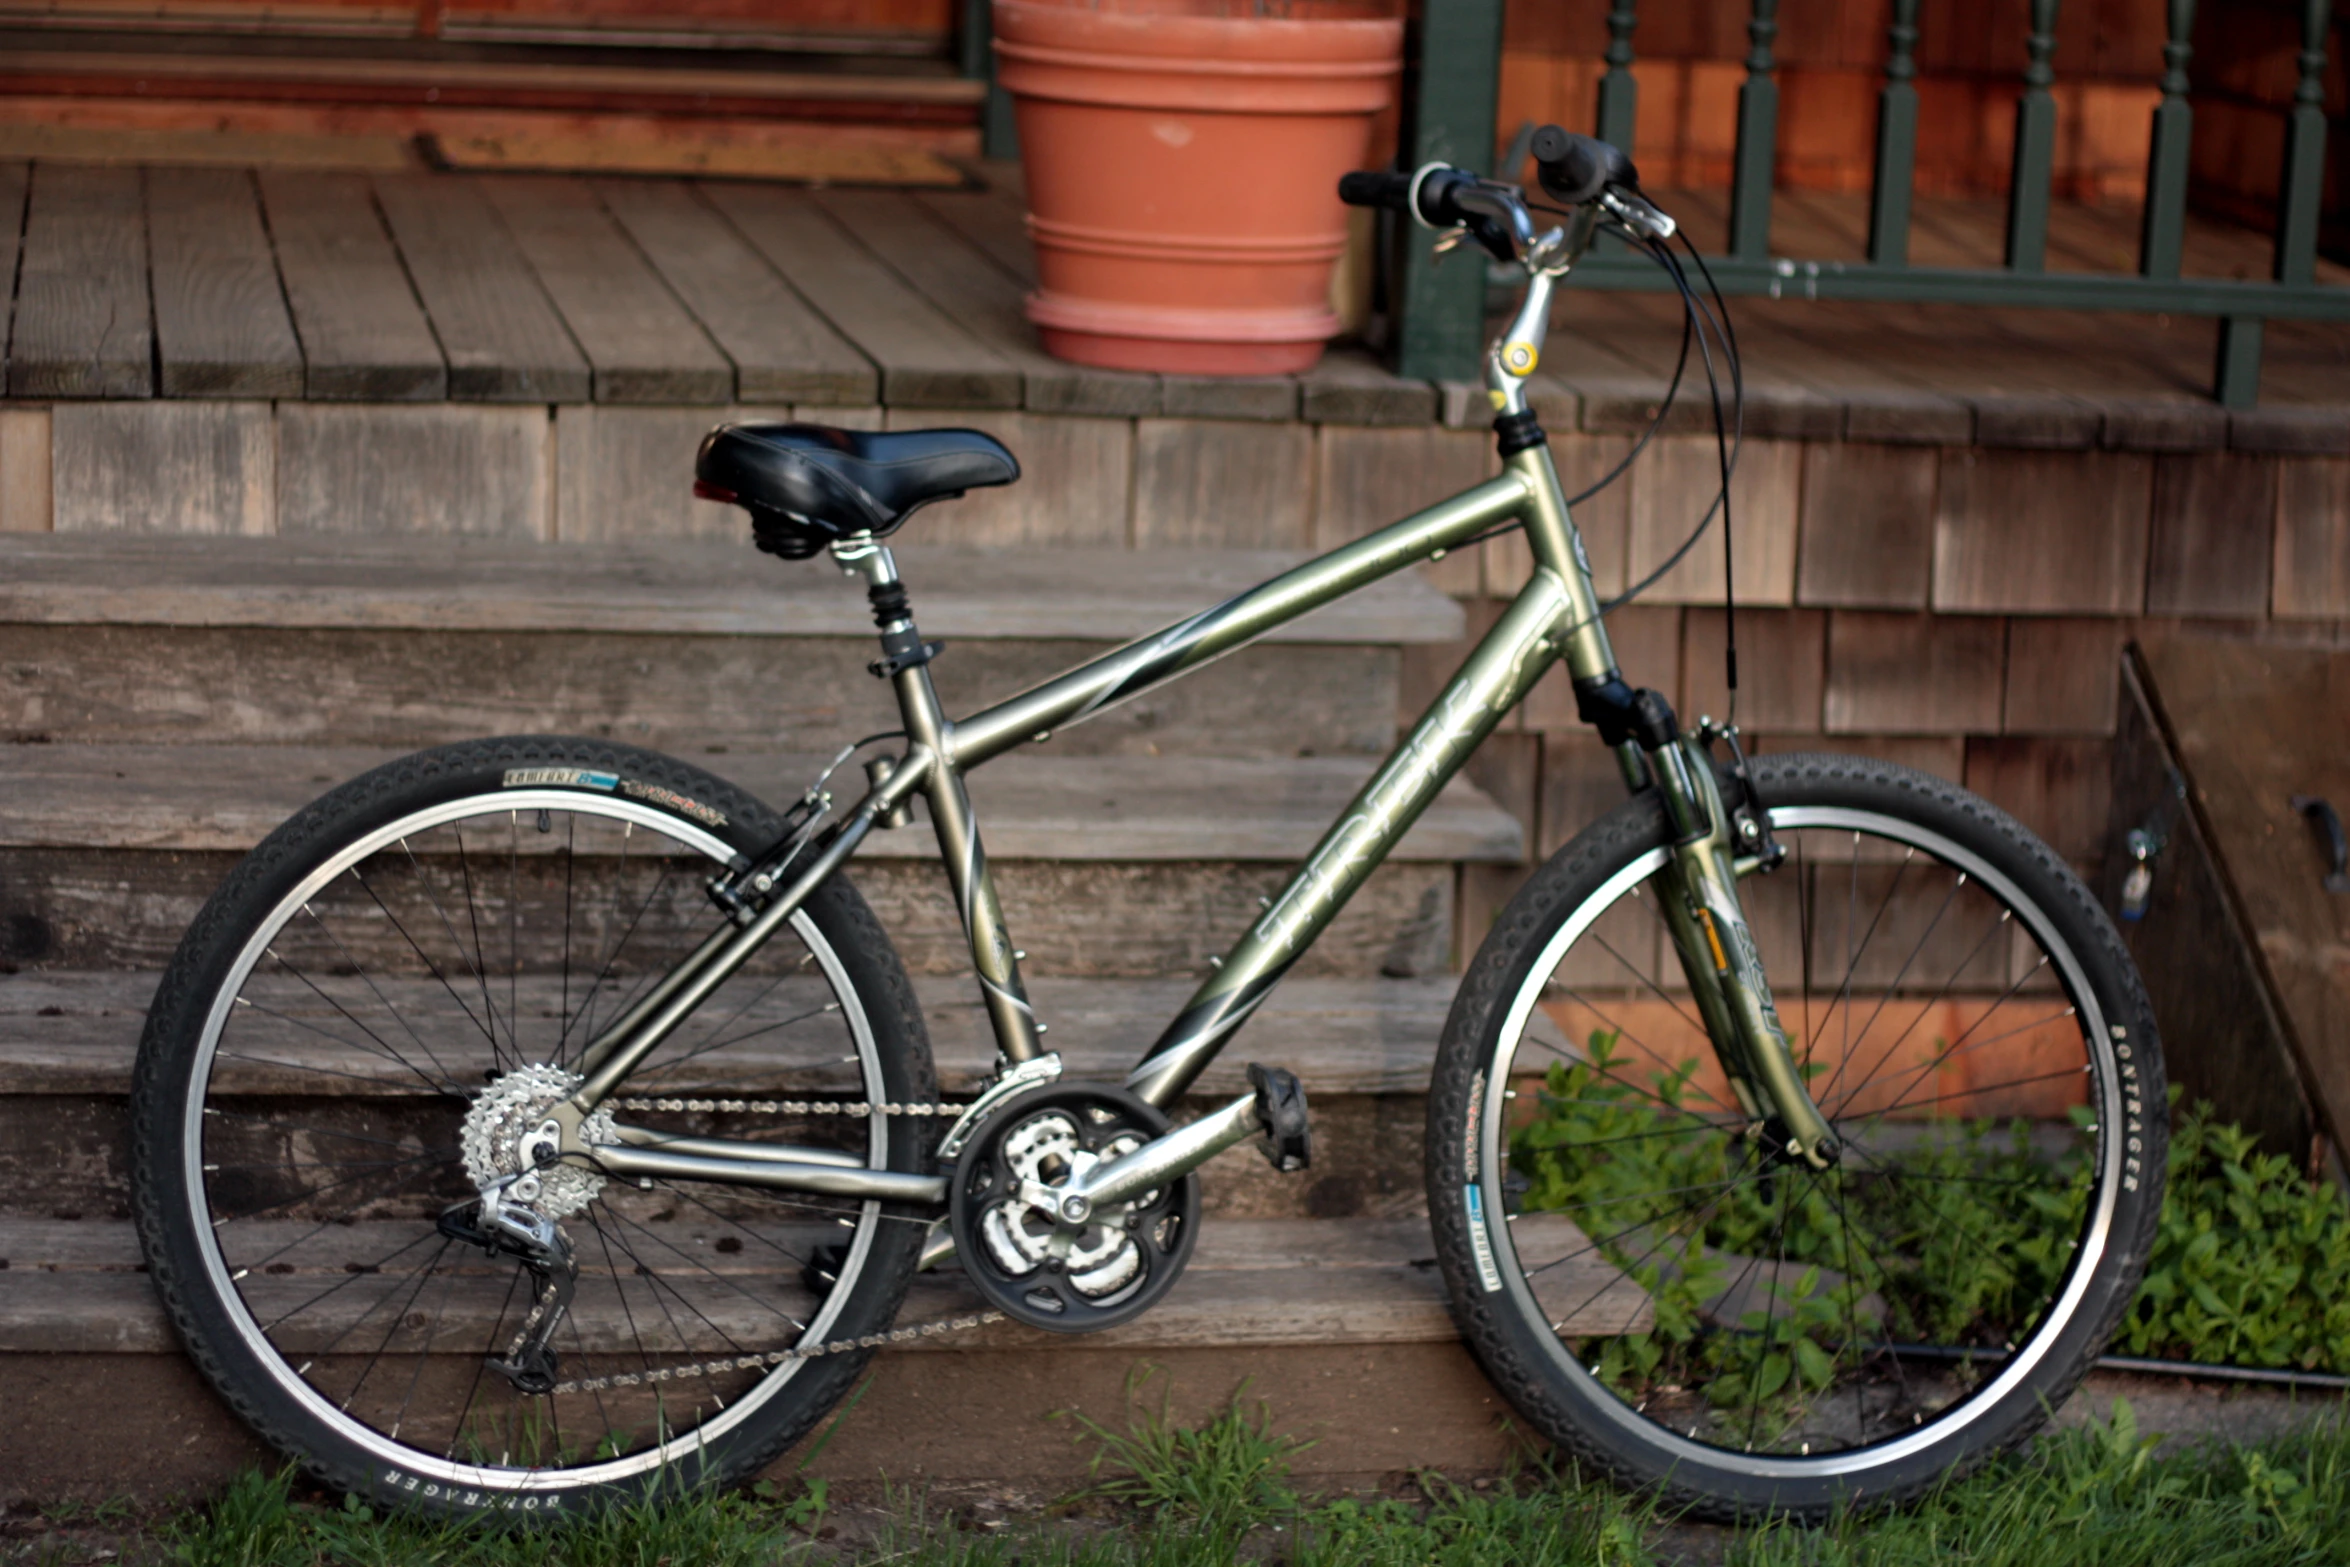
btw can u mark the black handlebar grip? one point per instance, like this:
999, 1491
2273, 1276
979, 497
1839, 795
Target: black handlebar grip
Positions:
1374, 188
1575, 169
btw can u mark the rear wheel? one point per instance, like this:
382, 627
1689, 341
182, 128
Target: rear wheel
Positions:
1663, 1294
387, 991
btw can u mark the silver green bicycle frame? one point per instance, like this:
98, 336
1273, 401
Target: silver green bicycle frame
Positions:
1555, 616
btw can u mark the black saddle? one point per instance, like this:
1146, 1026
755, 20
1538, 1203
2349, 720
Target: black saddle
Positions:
808, 485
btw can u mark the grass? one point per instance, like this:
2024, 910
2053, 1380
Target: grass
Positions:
1224, 1492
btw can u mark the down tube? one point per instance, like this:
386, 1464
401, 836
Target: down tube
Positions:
1514, 655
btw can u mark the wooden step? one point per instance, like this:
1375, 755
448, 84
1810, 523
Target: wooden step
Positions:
1362, 1047
1032, 806
79, 1288
75, 1033
682, 586
145, 640
1106, 865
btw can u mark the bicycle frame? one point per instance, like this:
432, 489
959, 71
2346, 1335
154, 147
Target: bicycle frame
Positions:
1554, 617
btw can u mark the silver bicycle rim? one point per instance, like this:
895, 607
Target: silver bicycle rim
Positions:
436, 1476
2019, 1366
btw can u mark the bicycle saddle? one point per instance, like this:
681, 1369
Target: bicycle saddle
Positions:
807, 485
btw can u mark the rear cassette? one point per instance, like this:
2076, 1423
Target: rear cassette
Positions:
1032, 1265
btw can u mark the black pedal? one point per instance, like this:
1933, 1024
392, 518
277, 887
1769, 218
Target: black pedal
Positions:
1281, 1105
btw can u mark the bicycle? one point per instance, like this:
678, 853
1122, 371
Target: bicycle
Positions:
659, 1158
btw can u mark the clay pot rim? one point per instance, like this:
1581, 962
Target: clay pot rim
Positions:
1212, 324
1217, 249
1198, 65
1154, 35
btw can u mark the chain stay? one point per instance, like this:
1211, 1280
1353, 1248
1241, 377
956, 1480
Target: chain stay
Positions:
785, 1107
705, 1368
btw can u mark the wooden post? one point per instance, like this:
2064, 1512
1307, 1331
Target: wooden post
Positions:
1619, 94
1897, 143
1452, 121
2301, 194
1758, 140
2235, 379
2165, 230
975, 56
2035, 148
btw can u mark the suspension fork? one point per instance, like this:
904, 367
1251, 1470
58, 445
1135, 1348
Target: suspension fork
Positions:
1699, 893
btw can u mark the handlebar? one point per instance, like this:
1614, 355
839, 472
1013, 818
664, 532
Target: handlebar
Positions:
1572, 169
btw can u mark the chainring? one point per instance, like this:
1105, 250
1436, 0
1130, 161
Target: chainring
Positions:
1031, 1266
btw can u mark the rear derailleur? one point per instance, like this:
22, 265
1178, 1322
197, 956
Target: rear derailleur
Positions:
505, 1229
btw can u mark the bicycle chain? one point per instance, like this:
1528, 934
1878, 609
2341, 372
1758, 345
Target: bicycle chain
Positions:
786, 1107
772, 1358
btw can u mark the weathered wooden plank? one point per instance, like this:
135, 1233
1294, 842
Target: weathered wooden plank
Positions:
641, 344
221, 328
363, 334
15, 180
466, 469
503, 338
679, 586
1253, 1282
2226, 706
1674, 482
2214, 515
993, 220
64, 908
112, 685
2062, 674
1914, 674
2042, 532
2312, 548
1039, 807
1272, 397
986, 301
2224, 1041
82, 326
926, 359
782, 350
1222, 482
207, 467
77, 1032
1350, 387
1868, 526
1782, 664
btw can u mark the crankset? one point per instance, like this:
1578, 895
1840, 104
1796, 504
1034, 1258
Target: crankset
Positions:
1041, 1255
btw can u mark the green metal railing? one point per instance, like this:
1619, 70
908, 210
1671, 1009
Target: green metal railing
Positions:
1439, 340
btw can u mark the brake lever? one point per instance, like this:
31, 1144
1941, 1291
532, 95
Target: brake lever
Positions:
1638, 214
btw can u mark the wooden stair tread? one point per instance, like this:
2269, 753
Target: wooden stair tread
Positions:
71, 1288
1032, 807
697, 85
677, 586
78, 1032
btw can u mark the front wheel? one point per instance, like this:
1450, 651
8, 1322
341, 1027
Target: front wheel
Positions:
1662, 1294
366, 1023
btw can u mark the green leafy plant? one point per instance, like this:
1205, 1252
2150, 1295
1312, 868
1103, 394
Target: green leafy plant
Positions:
2251, 1266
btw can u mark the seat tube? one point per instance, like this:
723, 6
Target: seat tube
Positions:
906, 659
965, 858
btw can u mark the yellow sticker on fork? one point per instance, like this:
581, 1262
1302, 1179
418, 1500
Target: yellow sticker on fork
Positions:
1713, 939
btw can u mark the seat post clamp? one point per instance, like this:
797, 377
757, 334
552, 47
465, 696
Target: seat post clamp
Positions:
901, 651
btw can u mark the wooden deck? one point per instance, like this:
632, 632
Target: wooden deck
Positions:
406, 286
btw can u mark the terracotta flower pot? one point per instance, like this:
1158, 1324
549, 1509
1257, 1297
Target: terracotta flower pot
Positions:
1182, 163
